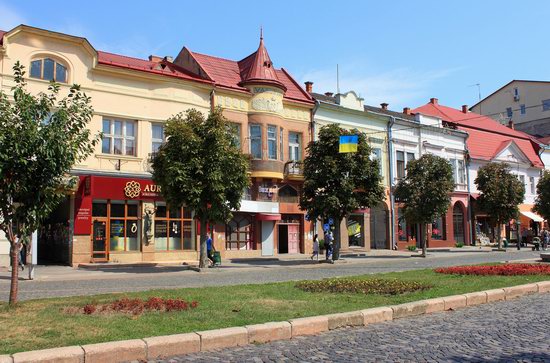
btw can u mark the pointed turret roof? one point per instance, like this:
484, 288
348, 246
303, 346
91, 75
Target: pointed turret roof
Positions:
258, 68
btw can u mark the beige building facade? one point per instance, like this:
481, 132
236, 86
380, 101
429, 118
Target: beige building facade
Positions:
117, 213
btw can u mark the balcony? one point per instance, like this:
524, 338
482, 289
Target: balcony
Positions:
271, 169
294, 170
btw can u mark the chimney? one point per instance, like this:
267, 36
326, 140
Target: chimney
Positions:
407, 110
433, 101
328, 94
511, 125
154, 58
464, 108
168, 58
384, 105
309, 86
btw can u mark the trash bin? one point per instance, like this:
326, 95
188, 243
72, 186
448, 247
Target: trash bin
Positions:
217, 258
505, 243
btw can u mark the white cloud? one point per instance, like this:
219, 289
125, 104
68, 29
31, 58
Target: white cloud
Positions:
9, 18
399, 87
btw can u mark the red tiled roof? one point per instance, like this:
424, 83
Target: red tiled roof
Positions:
230, 74
143, 65
487, 136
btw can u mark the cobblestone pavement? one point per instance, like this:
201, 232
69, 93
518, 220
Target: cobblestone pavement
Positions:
511, 331
136, 279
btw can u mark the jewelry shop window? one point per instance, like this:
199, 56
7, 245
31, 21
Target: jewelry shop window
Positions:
123, 221
173, 229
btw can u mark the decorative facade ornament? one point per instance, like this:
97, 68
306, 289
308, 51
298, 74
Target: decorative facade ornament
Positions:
132, 189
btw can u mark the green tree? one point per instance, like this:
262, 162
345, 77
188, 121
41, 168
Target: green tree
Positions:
41, 138
201, 167
500, 194
336, 184
542, 202
425, 191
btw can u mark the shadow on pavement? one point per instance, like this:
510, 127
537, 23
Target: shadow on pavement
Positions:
136, 269
517, 357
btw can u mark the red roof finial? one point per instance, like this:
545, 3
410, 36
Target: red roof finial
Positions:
261, 32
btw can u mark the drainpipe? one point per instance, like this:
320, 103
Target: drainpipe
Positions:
212, 100
470, 219
314, 138
392, 197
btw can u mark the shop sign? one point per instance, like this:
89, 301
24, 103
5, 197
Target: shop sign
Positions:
269, 191
133, 190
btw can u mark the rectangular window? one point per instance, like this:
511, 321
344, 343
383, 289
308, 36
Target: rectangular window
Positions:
546, 105
410, 157
173, 229
235, 130
400, 162
157, 136
49, 67
255, 141
272, 142
522, 179
36, 69
438, 229
123, 223
294, 146
401, 225
119, 137
455, 171
461, 172
509, 111
281, 149
522, 109
532, 184
377, 155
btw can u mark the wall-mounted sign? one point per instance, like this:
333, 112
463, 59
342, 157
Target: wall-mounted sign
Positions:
133, 189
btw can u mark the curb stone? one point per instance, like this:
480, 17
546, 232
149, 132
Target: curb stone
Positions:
179, 344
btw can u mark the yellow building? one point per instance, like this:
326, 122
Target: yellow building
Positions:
117, 214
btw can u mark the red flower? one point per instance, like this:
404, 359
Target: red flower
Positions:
507, 269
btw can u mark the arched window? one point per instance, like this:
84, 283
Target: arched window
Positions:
49, 70
288, 194
458, 223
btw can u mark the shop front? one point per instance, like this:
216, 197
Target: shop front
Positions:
125, 220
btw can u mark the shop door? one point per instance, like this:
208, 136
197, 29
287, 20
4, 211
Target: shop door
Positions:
293, 239
100, 247
267, 238
378, 228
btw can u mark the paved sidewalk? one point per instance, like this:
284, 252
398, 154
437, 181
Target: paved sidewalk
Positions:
59, 281
508, 331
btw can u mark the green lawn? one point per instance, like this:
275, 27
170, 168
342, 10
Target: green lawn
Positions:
40, 324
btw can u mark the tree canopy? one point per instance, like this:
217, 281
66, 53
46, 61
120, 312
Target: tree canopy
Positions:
41, 139
500, 193
426, 190
336, 184
201, 167
542, 202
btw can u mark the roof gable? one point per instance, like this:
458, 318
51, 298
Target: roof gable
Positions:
510, 152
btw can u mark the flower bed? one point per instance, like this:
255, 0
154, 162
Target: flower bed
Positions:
134, 306
368, 286
507, 269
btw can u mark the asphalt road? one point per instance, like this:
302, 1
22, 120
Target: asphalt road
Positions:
508, 331
139, 279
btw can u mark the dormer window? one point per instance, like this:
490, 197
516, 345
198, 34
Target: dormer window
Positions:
49, 70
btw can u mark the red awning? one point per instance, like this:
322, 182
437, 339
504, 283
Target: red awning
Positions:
268, 217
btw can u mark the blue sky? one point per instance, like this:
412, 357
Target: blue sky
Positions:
400, 52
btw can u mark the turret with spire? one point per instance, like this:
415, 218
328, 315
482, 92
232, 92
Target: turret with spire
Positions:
258, 68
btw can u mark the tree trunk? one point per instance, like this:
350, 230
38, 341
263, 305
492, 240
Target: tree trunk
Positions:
425, 240
203, 260
499, 239
14, 256
337, 238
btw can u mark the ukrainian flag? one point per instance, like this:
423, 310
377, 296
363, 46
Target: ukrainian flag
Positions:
348, 143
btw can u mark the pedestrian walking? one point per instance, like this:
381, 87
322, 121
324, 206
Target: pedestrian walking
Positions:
210, 249
545, 239
329, 239
315, 247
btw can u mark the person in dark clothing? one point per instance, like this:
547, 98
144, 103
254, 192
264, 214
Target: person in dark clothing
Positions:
210, 249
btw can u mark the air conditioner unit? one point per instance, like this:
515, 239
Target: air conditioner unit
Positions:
516, 97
